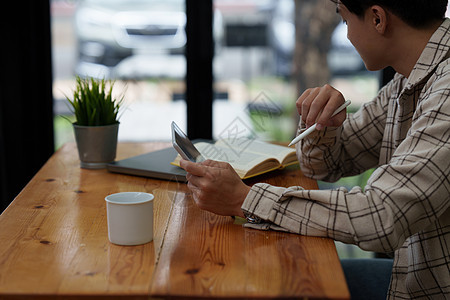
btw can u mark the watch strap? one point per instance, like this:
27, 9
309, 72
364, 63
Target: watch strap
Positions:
251, 218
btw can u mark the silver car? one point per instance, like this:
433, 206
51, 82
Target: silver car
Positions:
131, 38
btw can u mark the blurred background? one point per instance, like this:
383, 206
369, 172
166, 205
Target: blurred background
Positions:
260, 64
266, 53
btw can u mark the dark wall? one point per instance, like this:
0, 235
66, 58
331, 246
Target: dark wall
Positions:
26, 113
199, 68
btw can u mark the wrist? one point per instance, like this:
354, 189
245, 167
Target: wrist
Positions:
244, 192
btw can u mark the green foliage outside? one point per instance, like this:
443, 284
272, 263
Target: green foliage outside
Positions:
63, 130
277, 125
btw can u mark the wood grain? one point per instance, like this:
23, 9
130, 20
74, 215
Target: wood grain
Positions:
54, 240
54, 243
208, 255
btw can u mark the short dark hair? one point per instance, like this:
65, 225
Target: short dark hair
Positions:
415, 13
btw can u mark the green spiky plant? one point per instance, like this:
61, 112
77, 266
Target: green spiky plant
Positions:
93, 103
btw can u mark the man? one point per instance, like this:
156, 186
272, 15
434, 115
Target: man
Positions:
404, 132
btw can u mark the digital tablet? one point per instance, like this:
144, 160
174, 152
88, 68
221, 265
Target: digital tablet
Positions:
184, 146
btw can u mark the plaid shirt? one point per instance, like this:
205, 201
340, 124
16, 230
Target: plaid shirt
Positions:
405, 207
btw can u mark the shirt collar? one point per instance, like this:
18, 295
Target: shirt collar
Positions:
434, 53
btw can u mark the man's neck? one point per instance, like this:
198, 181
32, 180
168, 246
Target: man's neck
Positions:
408, 45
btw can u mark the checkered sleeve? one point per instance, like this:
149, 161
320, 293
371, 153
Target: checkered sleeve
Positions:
403, 196
333, 153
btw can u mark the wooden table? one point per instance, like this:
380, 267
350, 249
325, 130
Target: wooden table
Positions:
54, 243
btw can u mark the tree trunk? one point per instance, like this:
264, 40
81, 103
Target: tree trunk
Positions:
315, 21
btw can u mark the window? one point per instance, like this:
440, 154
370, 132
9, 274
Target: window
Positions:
258, 69
138, 43
141, 44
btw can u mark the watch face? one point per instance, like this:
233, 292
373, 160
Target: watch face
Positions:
251, 218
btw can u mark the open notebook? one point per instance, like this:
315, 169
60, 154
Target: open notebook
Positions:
248, 157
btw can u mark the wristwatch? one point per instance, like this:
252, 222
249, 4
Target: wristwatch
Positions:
251, 218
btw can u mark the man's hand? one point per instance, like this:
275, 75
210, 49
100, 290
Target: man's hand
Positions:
216, 187
318, 104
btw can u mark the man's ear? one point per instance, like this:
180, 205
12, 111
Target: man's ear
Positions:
378, 18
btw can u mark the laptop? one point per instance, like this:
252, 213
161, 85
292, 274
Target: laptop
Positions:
153, 164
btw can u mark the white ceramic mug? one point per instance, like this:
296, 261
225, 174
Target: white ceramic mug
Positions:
130, 218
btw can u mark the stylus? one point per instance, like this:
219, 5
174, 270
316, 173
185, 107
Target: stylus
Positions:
312, 128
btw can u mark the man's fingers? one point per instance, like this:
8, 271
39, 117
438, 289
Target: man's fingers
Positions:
195, 191
318, 104
300, 100
215, 164
335, 101
193, 168
307, 103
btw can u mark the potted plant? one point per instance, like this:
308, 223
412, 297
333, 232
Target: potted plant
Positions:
97, 121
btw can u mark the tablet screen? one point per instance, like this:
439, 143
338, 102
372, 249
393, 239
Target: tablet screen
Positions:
184, 146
